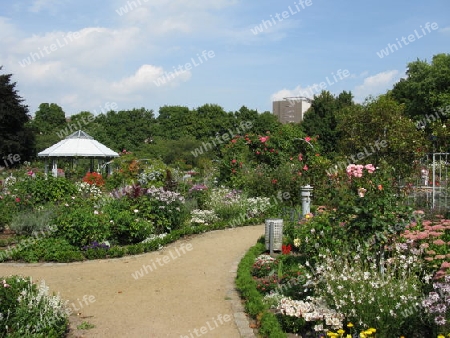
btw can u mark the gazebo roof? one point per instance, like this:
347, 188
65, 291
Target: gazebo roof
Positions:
79, 144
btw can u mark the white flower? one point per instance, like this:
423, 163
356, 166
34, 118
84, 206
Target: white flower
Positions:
136, 210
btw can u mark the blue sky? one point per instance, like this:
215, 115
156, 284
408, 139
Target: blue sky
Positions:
91, 55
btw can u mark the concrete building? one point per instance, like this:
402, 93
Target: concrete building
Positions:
291, 109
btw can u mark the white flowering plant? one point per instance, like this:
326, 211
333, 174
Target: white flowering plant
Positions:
370, 296
28, 310
203, 217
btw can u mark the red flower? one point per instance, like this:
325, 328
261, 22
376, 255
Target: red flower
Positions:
286, 249
274, 181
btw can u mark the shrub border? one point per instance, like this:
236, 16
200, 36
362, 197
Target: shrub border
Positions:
135, 249
254, 305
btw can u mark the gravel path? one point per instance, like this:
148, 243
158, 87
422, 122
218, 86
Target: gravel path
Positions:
185, 290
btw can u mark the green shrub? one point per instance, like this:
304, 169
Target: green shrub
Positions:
29, 311
81, 224
48, 250
33, 221
41, 190
128, 224
254, 305
8, 208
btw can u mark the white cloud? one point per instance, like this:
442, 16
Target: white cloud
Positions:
297, 91
149, 77
376, 84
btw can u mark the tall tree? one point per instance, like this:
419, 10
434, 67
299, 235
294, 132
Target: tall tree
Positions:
378, 130
16, 138
320, 119
49, 118
426, 88
125, 129
48, 123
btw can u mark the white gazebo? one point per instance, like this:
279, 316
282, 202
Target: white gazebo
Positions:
77, 145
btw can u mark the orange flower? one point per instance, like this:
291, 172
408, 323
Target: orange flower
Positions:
380, 187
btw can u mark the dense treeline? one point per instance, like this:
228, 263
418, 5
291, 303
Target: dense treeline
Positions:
411, 119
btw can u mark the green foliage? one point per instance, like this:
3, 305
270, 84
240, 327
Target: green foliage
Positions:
128, 226
16, 137
40, 190
125, 129
8, 208
48, 250
29, 222
80, 225
48, 122
379, 130
426, 87
254, 305
85, 326
29, 311
321, 119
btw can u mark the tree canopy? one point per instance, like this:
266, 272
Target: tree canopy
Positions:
16, 137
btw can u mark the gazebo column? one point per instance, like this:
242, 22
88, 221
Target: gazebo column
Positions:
54, 168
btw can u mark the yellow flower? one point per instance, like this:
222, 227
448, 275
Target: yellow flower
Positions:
349, 325
441, 336
372, 329
349, 336
362, 335
340, 331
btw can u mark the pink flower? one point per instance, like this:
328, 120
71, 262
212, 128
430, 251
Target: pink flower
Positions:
300, 157
307, 138
370, 168
439, 257
439, 242
258, 152
305, 167
263, 139
17, 199
445, 265
233, 161
233, 140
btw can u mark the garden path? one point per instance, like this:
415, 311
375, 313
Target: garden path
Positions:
186, 289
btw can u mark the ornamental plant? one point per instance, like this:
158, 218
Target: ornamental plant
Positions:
94, 178
366, 204
28, 310
368, 296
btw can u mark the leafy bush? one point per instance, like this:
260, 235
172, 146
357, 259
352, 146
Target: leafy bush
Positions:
269, 326
81, 224
127, 223
27, 310
48, 250
29, 221
9, 205
41, 190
